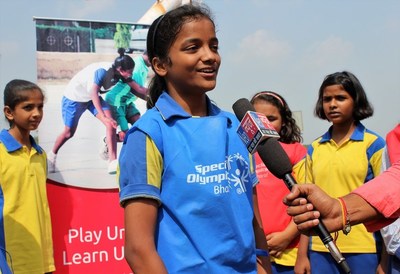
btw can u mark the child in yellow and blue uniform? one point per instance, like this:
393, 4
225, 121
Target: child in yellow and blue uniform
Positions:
25, 228
342, 159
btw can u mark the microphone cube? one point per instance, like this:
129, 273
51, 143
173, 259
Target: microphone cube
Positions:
255, 128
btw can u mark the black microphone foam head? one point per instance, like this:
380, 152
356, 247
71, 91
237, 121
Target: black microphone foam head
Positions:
275, 158
241, 106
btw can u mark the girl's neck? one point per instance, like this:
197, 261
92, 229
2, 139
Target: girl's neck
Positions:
342, 132
193, 104
22, 136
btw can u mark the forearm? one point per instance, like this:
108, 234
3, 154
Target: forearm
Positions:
145, 262
94, 95
263, 262
291, 231
382, 192
302, 250
302, 264
138, 90
360, 211
140, 249
318, 205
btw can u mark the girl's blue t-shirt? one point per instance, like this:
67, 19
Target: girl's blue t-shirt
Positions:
204, 185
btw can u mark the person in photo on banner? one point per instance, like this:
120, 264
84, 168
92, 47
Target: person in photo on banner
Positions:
187, 182
122, 100
26, 233
347, 156
280, 231
83, 92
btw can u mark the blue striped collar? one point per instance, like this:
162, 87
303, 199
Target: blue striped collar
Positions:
168, 107
13, 145
357, 135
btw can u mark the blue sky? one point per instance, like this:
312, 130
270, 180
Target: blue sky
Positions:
288, 46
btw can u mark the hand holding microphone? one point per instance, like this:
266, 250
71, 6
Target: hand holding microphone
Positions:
278, 163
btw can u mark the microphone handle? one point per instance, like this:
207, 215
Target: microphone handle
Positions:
323, 233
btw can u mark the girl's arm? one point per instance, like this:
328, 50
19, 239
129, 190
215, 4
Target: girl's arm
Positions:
308, 202
302, 265
138, 90
279, 241
140, 250
94, 95
263, 262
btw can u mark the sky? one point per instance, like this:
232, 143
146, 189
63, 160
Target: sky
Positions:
287, 46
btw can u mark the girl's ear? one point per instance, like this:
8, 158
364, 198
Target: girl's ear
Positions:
8, 113
159, 66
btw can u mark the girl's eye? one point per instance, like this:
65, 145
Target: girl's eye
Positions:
191, 48
214, 47
326, 99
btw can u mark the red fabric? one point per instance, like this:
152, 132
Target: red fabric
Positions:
88, 230
271, 190
393, 144
383, 193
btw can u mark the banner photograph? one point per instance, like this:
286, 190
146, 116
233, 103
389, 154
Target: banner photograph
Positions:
90, 103
68, 55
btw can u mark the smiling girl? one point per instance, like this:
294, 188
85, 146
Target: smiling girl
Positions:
186, 179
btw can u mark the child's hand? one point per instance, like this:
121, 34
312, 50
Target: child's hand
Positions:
107, 120
113, 122
121, 136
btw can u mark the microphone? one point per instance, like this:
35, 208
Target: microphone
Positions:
254, 127
278, 163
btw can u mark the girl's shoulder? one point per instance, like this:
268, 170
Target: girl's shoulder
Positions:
230, 115
151, 122
296, 150
374, 138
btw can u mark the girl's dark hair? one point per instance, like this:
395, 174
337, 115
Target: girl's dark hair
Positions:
15, 92
362, 108
125, 62
290, 131
162, 34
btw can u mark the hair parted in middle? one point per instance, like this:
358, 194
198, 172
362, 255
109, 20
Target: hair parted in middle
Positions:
162, 34
290, 131
362, 108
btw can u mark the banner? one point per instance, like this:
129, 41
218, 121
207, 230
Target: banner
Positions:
87, 220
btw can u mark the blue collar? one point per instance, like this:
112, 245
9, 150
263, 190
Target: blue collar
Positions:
357, 135
12, 145
168, 107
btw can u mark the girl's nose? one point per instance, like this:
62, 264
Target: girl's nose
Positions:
209, 55
37, 112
